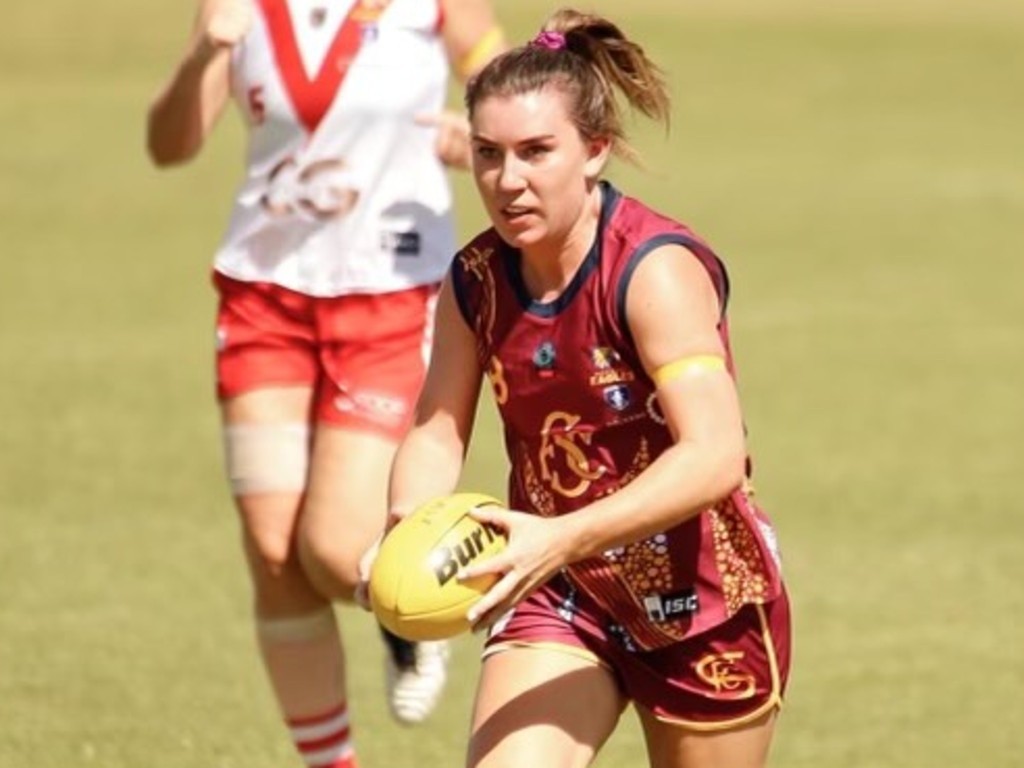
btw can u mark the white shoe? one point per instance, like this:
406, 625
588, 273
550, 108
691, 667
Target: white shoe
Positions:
415, 679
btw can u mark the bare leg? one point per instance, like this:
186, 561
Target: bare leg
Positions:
298, 637
344, 512
345, 507
542, 707
744, 746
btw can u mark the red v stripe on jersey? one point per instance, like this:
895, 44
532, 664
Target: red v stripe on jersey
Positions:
311, 98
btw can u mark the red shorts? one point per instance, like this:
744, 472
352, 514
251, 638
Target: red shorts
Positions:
724, 677
364, 355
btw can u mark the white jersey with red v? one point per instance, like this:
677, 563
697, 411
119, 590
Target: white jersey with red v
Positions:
343, 192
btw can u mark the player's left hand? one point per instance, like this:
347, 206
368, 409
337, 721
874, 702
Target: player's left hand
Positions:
452, 143
534, 553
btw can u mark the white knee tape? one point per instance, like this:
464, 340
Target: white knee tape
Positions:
297, 629
266, 458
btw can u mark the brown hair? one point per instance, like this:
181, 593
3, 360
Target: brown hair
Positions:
587, 57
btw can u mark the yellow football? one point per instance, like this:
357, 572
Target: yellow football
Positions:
413, 589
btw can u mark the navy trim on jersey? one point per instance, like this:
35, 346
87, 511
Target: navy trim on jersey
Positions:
459, 289
610, 197
720, 281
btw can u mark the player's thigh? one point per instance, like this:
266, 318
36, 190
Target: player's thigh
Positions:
539, 706
346, 502
266, 446
671, 745
266, 443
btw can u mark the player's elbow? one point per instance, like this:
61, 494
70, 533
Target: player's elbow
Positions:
159, 157
166, 155
728, 466
167, 147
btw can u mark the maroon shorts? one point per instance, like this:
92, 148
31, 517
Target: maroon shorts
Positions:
721, 678
364, 355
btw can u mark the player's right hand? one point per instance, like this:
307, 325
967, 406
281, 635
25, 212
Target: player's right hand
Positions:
223, 24
362, 592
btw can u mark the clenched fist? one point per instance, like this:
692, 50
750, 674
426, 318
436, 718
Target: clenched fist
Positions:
221, 25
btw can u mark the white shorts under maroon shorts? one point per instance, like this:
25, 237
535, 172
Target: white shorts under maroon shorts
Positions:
364, 355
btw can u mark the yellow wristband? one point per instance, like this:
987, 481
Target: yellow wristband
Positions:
681, 367
485, 48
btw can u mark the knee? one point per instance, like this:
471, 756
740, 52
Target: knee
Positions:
332, 568
280, 586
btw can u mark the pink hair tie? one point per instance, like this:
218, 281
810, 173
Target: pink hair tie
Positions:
553, 41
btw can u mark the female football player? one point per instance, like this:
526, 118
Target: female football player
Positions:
639, 569
327, 277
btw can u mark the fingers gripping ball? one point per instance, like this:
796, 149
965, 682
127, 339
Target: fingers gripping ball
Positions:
413, 589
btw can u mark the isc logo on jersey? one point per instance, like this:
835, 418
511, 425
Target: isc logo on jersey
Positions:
662, 608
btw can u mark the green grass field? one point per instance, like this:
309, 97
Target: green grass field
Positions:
859, 167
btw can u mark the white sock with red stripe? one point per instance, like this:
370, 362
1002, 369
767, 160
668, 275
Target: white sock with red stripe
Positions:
305, 663
324, 741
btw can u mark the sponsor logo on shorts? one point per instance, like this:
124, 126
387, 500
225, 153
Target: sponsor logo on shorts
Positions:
662, 608
446, 561
725, 677
377, 406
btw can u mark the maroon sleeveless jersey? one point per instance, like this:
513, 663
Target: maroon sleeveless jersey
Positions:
581, 421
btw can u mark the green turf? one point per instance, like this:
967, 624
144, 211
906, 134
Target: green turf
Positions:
860, 169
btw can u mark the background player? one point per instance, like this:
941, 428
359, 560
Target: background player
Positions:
327, 279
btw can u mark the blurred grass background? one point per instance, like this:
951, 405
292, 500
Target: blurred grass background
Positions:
859, 166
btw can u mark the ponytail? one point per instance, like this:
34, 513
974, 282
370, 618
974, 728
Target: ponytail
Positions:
589, 59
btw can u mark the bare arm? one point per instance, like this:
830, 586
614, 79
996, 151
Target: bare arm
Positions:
186, 109
671, 291
472, 38
672, 311
429, 460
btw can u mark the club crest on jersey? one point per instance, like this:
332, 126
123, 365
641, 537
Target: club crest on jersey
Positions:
604, 358
608, 369
618, 397
368, 11
544, 356
320, 189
